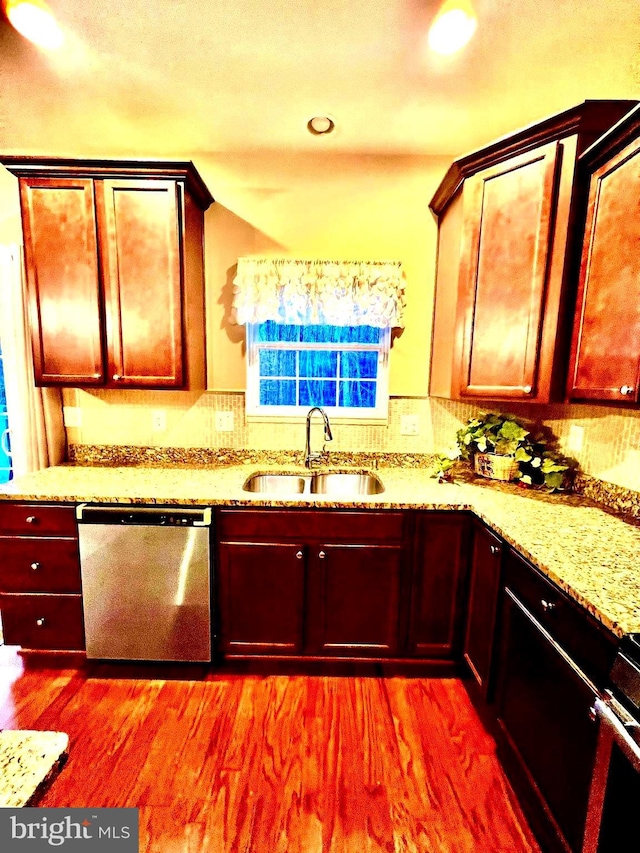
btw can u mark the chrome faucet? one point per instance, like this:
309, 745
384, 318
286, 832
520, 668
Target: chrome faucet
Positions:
309, 457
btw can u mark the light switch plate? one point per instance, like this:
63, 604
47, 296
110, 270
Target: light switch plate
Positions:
159, 420
72, 416
224, 421
409, 425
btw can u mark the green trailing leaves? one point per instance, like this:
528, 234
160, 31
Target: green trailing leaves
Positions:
539, 465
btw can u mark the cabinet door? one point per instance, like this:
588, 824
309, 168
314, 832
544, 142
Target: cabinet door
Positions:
353, 601
140, 245
260, 598
607, 336
507, 235
543, 712
484, 589
61, 258
437, 595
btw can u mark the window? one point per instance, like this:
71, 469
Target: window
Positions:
293, 367
5, 458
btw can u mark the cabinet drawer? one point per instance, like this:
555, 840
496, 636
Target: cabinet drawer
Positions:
37, 519
39, 565
43, 621
590, 645
294, 524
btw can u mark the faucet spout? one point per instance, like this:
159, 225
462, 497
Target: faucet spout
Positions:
309, 456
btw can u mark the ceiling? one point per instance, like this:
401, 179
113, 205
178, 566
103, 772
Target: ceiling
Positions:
183, 77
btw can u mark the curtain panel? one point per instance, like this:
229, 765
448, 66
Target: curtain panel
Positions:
316, 292
36, 427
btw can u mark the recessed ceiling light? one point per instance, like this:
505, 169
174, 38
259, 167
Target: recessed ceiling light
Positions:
452, 27
319, 125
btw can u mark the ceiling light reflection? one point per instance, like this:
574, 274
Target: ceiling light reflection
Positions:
34, 20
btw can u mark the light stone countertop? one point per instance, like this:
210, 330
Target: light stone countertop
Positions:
591, 554
28, 762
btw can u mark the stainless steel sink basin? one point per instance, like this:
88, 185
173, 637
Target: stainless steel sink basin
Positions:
343, 485
332, 483
280, 484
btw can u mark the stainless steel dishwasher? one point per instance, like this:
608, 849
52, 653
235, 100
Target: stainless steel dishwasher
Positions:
145, 582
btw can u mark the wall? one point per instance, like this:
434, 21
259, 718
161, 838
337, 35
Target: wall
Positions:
339, 206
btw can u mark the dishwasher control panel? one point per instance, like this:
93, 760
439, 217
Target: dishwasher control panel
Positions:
144, 515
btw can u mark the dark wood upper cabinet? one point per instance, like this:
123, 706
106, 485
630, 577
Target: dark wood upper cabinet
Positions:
509, 219
605, 353
114, 264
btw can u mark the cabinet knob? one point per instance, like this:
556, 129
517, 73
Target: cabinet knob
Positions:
626, 389
527, 389
547, 606
40, 622
116, 377
495, 549
35, 566
31, 519
322, 555
96, 376
299, 555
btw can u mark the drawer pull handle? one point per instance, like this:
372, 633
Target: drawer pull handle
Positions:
31, 519
40, 622
626, 389
35, 566
547, 606
299, 555
322, 555
495, 549
117, 377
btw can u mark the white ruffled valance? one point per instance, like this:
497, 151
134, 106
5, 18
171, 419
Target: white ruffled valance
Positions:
307, 292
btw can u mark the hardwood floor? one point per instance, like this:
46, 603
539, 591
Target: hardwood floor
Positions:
278, 764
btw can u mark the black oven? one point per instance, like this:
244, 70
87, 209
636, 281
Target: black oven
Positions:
614, 800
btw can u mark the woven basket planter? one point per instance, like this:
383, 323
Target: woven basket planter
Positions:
495, 467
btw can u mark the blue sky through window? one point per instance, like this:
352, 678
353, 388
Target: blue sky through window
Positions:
5, 460
318, 365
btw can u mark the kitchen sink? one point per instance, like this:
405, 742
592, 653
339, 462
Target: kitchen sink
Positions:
280, 484
338, 483
331, 483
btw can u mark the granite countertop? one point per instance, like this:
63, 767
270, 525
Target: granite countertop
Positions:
28, 762
591, 554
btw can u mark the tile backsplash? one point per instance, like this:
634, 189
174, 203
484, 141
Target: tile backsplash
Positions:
610, 441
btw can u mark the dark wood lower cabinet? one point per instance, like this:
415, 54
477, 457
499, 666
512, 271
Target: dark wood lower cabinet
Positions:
482, 607
547, 739
261, 590
438, 587
353, 605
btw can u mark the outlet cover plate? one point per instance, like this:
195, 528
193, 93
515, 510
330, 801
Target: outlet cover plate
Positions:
224, 421
72, 416
576, 438
409, 425
159, 420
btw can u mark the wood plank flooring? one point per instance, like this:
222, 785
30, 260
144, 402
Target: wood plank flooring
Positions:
278, 764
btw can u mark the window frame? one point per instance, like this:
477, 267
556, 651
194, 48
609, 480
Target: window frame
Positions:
257, 411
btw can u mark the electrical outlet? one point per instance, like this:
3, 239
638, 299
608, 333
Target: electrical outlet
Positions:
159, 420
224, 421
72, 416
409, 424
576, 438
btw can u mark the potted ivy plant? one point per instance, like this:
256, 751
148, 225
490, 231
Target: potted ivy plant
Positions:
503, 447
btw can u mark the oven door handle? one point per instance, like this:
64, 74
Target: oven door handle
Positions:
614, 728
615, 718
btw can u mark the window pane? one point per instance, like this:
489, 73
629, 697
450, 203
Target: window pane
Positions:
271, 331
340, 334
359, 365
358, 395
277, 362
318, 363
314, 392
274, 392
